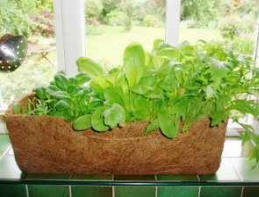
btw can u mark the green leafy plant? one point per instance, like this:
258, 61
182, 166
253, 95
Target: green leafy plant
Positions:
166, 88
65, 98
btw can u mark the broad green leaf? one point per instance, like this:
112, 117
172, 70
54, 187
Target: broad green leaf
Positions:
153, 126
82, 78
114, 95
41, 93
62, 105
134, 62
100, 82
158, 61
91, 68
58, 94
145, 85
141, 107
114, 115
61, 81
156, 93
97, 120
169, 52
167, 124
82, 123
53, 87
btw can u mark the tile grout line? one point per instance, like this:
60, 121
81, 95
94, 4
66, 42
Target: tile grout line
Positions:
70, 191
199, 191
156, 188
242, 191
27, 190
113, 188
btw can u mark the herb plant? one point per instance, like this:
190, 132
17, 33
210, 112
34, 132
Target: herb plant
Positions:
165, 87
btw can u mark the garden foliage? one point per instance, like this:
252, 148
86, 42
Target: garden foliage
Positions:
166, 87
16, 15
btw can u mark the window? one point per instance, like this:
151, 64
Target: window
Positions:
110, 26
113, 24
34, 20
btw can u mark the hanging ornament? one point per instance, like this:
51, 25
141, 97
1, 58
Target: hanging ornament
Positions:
12, 52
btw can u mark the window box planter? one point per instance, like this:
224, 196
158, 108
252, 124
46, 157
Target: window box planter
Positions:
43, 144
162, 112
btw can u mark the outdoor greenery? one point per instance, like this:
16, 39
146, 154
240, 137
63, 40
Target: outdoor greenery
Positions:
17, 17
22, 17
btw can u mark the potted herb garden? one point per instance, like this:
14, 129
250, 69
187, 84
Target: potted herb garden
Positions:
161, 112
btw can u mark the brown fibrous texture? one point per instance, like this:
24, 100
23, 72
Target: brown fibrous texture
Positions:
44, 144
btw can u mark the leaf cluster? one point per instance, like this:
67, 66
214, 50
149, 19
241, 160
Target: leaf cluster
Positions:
166, 87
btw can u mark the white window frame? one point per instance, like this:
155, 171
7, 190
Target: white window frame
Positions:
70, 34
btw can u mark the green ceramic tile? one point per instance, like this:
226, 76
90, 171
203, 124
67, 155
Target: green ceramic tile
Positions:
246, 169
251, 192
226, 172
48, 191
135, 191
9, 169
89, 191
220, 192
4, 143
165, 191
12, 190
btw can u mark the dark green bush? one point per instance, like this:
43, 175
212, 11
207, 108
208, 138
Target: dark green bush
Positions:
16, 16
201, 11
94, 9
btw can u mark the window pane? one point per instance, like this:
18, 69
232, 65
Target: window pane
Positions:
230, 21
113, 24
34, 20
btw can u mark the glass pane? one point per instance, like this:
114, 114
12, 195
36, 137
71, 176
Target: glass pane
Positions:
34, 21
113, 24
230, 21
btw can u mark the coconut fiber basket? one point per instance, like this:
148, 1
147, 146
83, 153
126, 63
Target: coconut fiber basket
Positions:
44, 144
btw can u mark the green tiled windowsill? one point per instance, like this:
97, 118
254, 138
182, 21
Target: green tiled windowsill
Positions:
235, 172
